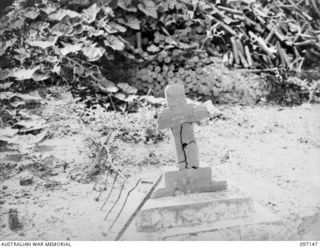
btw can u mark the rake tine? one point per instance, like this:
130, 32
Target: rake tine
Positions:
95, 184
124, 203
115, 203
114, 181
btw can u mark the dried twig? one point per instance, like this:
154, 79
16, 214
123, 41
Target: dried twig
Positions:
225, 26
229, 10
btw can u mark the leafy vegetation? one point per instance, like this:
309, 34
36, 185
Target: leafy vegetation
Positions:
114, 47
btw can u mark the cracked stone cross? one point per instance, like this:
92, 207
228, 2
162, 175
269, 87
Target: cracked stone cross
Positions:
179, 117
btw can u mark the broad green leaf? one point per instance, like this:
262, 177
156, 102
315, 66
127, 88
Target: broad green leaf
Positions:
23, 74
114, 42
93, 53
126, 88
61, 28
107, 86
31, 13
39, 76
126, 5
17, 24
43, 43
93, 32
4, 86
108, 12
131, 98
113, 27
8, 132
26, 97
4, 45
4, 74
149, 8
112, 89
120, 96
131, 21
62, 13
90, 13
49, 8
70, 48
7, 95
118, 27
36, 123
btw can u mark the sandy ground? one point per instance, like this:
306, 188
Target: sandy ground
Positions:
272, 153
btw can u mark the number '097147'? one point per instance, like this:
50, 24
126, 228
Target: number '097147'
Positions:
308, 243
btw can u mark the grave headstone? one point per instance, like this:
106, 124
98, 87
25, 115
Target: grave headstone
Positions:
180, 118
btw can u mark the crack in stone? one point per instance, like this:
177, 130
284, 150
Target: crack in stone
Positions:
184, 152
186, 144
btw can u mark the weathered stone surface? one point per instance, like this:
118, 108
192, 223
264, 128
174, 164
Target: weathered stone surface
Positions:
175, 117
186, 147
187, 133
223, 215
188, 182
248, 229
181, 179
199, 211
180, 117
181, 158
192, 155
258, 225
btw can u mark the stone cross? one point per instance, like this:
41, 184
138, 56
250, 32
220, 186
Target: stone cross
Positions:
180, 117
190, 178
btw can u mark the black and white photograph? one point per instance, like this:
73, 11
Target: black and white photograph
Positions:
159, 120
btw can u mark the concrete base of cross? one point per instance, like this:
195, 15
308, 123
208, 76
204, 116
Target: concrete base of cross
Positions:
188, 181
223, 215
